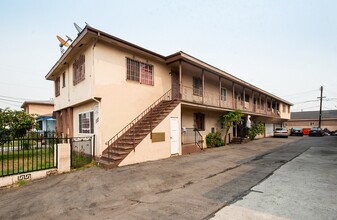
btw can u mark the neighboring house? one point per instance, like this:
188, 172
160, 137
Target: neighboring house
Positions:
43, 111
309, 119
143, 106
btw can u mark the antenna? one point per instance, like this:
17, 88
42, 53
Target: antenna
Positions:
63, 42
78, 28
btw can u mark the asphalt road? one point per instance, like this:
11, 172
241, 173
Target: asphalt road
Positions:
194, 186
304, 188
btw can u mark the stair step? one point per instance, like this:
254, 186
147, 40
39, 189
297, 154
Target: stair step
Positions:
106, 164
118, 151
112, 157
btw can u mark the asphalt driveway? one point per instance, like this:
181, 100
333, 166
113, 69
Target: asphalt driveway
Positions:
186, 187
304, 188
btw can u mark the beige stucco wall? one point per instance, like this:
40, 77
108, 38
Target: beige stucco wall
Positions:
148, 151
89, 107
39, 109
105, 77
123, 100
284, 110
211, 121
70, 94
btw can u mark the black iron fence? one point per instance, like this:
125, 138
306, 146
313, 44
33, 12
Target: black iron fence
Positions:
82, 151
192, 136
39, 151
32, 152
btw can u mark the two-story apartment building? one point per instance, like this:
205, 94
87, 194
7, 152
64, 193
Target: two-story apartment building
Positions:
143, 106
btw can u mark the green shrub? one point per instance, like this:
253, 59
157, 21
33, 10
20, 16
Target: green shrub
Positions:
214, 140
27, 144
257, 128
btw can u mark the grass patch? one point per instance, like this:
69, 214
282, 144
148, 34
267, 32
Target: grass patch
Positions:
80, 159
22, 182
26, 160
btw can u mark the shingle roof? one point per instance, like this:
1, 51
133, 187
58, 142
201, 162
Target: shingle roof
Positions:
45, 102
313, 114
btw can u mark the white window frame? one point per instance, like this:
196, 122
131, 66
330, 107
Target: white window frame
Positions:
223, 95
197, 86
89, 123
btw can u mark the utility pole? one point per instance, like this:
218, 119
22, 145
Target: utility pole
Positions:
320, 108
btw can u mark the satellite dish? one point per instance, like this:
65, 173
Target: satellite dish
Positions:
62, 42
78, 28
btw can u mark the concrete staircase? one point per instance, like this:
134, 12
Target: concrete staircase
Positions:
119, 147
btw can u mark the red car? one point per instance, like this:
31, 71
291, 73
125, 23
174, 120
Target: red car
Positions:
306, 131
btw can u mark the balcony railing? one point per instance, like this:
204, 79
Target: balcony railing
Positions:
213, 99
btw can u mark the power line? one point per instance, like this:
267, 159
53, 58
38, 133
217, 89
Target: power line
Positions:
300, 93
21, 85
305, 101
10, 97
306, 108
7, 103
8, 100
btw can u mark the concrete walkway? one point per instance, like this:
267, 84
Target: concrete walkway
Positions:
187, 187
305, 188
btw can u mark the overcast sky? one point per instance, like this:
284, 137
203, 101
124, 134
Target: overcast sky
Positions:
286, 47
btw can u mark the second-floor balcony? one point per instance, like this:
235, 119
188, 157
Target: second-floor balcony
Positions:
214, 99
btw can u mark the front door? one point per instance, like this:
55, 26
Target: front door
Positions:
174, 135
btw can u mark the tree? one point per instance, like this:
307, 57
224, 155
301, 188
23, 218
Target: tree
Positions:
15, 123
257, 128
228, 119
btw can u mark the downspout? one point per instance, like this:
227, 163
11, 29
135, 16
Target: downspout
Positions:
97, 132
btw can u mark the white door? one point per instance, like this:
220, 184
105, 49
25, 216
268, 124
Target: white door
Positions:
174, 135
269, 130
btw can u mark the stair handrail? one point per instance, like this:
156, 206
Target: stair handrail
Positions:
197, 132
167, 96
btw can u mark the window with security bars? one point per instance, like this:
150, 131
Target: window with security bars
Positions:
140, 72
79, 70
197, 86
57, 86
86, 122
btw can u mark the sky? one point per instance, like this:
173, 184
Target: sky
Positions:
286, 47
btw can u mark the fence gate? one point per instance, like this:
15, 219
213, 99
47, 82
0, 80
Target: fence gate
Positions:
82, 151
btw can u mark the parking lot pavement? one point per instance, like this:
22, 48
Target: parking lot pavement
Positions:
304, 188
186, 187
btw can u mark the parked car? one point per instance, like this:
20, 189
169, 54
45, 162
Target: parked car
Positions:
316, 132
296, 131
306, 131
281, 132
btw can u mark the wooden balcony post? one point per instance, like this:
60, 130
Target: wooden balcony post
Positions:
180, 80
254, 107
219, 91
203, 86
244, 97
260, 108
233, 96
